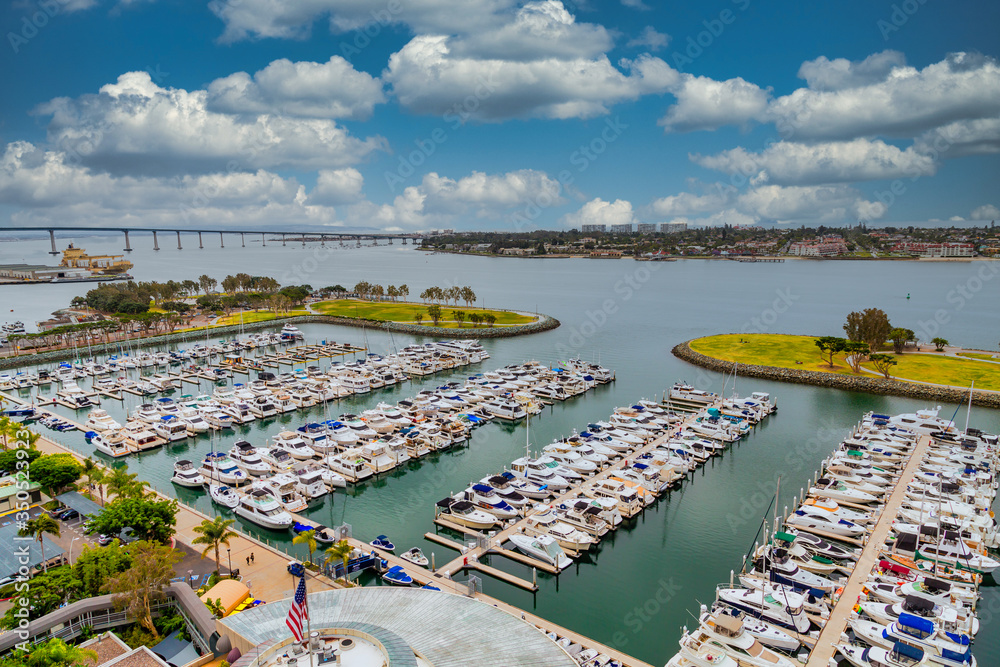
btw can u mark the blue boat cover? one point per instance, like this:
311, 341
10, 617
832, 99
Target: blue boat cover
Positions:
908, 651
481, 488
921, 625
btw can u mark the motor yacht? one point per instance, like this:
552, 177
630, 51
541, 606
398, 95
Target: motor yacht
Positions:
247, 458
99, 420
217, 467
261, 508
185, 474
111, 443
543, 547
465, 513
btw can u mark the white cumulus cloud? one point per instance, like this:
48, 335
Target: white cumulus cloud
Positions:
600, 212
986, 212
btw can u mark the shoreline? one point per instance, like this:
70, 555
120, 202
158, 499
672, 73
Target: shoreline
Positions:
873, 385
544, 323
717, 257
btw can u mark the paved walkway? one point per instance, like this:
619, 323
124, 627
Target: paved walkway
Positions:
267, 577
837, 623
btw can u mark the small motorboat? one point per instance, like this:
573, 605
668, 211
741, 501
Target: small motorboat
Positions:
415, 556
543, 547
430, 587
321, 534
223, 495
384, 543
397, 576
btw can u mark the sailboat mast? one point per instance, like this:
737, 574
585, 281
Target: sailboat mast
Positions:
968, 414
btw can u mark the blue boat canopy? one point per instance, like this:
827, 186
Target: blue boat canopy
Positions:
921, 625
908, 651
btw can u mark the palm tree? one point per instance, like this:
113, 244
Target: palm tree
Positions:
94, 474
212, 533
308, 538
57, 653
37, 527
125, 484
341, 550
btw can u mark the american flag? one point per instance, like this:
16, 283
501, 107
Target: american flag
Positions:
299, 613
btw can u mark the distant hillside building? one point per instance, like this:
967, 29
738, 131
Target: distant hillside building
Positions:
672, 227
625, 228
647, 227
590, 229
935, 249
828, 246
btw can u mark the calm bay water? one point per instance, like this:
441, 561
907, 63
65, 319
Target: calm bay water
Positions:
640, 586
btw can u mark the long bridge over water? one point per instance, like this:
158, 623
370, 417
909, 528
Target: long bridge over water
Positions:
283, 237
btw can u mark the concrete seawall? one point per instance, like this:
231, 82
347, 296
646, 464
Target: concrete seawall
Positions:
544, 323
872, 385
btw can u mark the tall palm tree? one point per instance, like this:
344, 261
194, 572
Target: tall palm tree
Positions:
341, 550
212, 533
308, 538
41, 525
94, 474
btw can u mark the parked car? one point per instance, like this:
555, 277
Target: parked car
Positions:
66, 515
105, 540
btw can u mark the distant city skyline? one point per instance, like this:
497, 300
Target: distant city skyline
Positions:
415, 115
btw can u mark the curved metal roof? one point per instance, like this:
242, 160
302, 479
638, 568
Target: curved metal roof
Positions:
447, 630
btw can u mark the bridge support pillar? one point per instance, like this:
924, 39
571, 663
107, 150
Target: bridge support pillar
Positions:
390, 240
263, 240
404, 240
222, 243
282, 240
322, 241
52, 238
200, 246
156, 243
359, 241
243, 239
179, 240
341, 241
128, 246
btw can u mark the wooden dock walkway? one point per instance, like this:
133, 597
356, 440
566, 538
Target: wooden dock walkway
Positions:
837, 623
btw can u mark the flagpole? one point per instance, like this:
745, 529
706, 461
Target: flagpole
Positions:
308, 620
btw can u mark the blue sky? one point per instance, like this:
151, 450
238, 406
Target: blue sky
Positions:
492, 114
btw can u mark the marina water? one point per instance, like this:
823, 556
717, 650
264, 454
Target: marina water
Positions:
644, 582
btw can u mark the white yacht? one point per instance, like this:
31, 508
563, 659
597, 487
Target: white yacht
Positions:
548, 522
377, 456
223, 495
217, 467
283, 488
185, 474
170, 428
295, 445
193, 419
309, 481
784, 609
543, 547
505, 409
246, 457
464, 513
262, 509
263, 407
111, 443
277, 459
537, 472
99, 420
350, 465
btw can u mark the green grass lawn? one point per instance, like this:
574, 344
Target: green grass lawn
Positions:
257, 316
406, 312
785, 351
980, 355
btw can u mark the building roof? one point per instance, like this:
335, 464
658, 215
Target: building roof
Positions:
408, 621
140, 657
175, 651
8, 486
81, 504
229, 592
11, 546
107, 646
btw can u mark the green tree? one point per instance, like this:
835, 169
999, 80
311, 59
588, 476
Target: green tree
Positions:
434, 311
95, 564
57, 653
900, 337
490, 319
856, 353
54, 472
883, 363
308, 538
829, 346
47, 592
215, 606
9, 459
419, 317
869, 326
149, 518
459, 316
939, 343
138, 587
341, 550
37, 528
475, 318
125, 484
212, 533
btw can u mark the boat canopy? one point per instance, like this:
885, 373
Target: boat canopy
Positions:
915, 625
784, 537
906, 651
